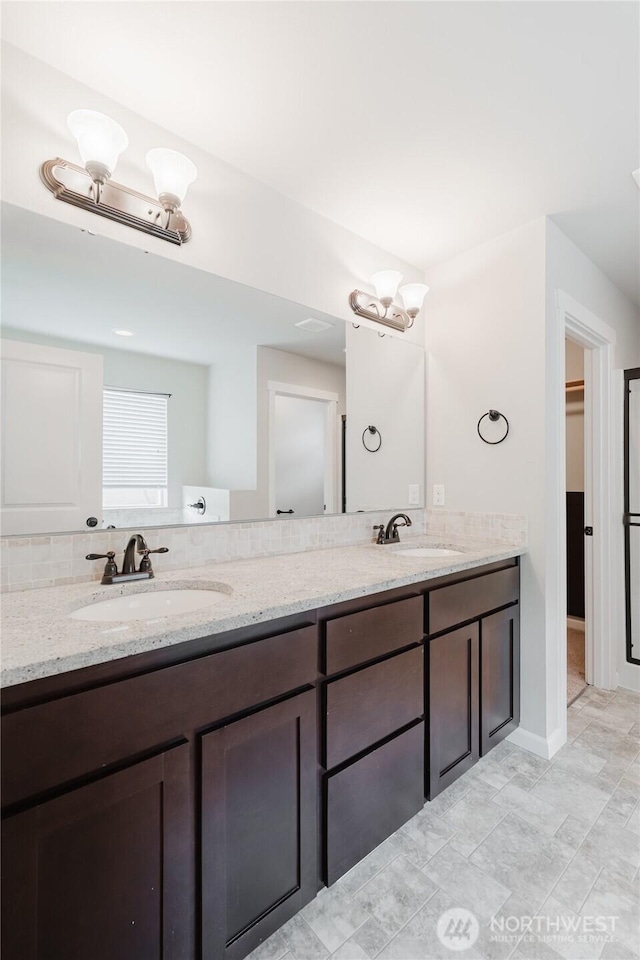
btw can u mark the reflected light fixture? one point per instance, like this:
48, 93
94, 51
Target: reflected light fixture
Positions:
100, 142
381, 308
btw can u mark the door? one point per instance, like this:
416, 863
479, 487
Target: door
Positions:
105, 870
259, 825
632, 511
51, 447
500, 676
302, 450
300, 440
453, 706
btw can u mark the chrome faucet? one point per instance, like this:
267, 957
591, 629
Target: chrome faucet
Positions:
129, 572
390, 534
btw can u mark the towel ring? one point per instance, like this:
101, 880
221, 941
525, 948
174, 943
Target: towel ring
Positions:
373, 431
494, 416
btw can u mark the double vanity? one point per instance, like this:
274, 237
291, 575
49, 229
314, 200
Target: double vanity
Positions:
178, 781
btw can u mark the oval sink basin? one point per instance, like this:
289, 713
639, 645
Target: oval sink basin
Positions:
149, 606
426, 552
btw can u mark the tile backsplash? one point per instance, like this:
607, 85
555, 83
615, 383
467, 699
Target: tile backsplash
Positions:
46, 561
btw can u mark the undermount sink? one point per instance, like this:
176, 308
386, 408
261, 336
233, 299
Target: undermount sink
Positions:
151, 605
427, 552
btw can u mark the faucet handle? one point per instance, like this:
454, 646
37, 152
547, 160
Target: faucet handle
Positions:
380, 528
110, 568
145, 563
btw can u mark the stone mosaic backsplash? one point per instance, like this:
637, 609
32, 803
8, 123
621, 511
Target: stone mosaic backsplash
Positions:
31, 562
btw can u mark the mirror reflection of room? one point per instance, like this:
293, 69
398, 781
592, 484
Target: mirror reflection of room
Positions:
250, 407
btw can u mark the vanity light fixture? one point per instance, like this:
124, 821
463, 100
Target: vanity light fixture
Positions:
381, 308
100, 142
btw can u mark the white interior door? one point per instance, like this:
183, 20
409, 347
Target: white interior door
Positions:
302, 446
51, 445
300, 449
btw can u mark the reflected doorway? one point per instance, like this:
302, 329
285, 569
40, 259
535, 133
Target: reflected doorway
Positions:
303, 454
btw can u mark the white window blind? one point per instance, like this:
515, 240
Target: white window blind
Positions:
135, 439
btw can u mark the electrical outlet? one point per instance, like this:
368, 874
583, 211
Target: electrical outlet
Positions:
414, 494
438, 494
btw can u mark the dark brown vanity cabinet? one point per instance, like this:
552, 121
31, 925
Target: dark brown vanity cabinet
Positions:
258, 825
473, 672
167, 814
454, 744
185, 802
104, 870
373, 721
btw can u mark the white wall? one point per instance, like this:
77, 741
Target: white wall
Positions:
241, 228
187, 409
570, 271
385, 389
486, 349
284, 367
574, 370
491, 322
231, 430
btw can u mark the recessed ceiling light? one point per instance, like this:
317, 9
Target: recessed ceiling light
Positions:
313, 325
125, 333
636, 176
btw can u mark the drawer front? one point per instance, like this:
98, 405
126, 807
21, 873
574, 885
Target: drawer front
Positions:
369, 800
464, 601
371, 633
372, 704
71, 737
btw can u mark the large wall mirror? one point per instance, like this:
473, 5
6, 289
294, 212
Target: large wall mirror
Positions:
141, 392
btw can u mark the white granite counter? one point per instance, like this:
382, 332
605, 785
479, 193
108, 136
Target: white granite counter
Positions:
39, 639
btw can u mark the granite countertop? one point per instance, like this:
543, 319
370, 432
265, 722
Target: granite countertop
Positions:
40, 640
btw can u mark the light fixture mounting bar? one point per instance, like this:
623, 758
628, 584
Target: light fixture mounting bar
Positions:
368, 306
71, 183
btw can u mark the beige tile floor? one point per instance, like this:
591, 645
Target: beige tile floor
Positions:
575, 663
516, 837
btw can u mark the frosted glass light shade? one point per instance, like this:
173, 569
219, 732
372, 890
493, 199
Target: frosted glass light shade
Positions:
413, 295
172, 173
100, 141
386, 284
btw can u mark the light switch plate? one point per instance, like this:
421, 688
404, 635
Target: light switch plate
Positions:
414, 494
438, 494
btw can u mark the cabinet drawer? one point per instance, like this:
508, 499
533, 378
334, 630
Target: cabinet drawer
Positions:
71, 737
372, 704
464, 601
371, 633
369, 800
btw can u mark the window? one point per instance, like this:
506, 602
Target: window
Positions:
134, 471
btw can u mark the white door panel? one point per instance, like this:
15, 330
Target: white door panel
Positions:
51, 417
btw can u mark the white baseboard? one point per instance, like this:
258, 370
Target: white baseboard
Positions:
544, 747
629, 676
574, 623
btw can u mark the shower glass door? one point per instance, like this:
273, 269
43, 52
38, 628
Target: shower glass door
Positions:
632, 510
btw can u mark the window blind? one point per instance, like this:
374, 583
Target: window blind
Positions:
134, 439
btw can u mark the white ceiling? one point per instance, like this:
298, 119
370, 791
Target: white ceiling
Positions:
426, 127
60, 281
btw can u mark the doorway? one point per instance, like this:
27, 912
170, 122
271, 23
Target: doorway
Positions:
575, 473
303, 474
604, 586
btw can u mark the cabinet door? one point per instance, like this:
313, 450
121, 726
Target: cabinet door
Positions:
259, 825
500, 693
104, 871
453, 706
